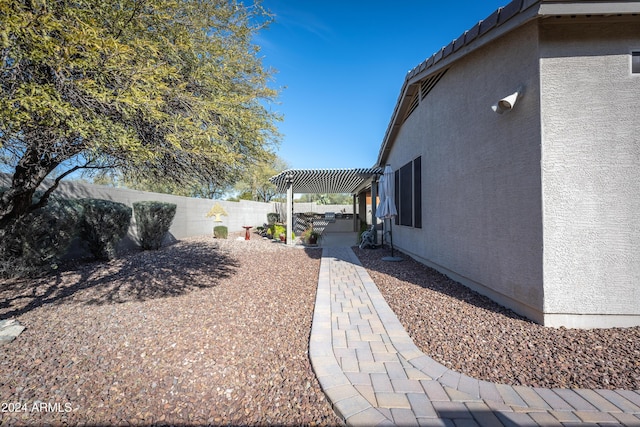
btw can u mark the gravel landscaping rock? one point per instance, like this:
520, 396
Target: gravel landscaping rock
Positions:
203, 332
215, 332
471, 334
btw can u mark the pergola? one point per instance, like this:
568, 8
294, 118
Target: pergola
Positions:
312, 181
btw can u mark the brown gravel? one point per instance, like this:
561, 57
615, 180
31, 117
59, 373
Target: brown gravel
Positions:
203, 332
215, 332
473, 335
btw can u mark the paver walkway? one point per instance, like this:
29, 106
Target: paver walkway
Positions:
373, 374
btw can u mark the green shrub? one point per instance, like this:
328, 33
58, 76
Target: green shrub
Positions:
34, 244
311, 236
153, 220
275, 230
220, 231
273, 217
104, 223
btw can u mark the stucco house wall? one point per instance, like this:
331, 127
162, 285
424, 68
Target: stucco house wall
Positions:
538, 208
481, 195
590, 172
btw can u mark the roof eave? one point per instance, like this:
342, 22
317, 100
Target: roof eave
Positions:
587, 7
502, 21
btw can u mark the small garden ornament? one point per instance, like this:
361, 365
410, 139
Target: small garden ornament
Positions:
219, 231
216, 211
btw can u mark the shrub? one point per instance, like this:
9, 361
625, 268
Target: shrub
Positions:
104, 223
153, 220
220, 231
275, 230
311, 236
34, 244
273, 217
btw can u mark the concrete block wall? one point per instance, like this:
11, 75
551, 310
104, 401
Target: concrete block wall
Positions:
304, 207
190, 219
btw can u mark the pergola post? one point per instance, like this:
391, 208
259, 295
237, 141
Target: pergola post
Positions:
374, 206
289, 209
355, 217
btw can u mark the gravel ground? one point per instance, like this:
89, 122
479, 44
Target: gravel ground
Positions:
471, 334
216, 332
201, 332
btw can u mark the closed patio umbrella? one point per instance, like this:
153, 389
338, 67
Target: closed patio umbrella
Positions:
387, 208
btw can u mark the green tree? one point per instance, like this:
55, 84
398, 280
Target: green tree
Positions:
187, 188
162, 90
255, 184
328, 199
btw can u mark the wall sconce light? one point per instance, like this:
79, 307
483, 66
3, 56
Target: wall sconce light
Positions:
508, 102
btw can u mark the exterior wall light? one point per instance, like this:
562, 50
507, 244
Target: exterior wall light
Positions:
508, 102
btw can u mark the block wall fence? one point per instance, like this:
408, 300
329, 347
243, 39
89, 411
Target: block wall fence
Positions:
190, 219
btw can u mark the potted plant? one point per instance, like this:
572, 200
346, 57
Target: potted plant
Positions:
311, 236
275, 230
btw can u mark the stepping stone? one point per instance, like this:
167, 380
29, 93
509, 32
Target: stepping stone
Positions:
9, 330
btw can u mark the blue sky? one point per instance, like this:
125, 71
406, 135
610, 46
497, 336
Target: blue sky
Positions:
341, 64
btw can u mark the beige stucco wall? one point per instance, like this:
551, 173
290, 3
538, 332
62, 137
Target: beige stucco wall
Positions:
481, 192
591, 173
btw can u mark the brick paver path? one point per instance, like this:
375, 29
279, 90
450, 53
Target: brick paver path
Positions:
373, 374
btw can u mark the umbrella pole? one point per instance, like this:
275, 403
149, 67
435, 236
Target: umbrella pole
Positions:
392, 257
391, 235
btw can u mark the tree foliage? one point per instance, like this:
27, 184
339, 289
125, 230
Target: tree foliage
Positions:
255, 184
163, 90
211, 189
327, 199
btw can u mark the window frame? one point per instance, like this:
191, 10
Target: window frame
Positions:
635, 62
408, 193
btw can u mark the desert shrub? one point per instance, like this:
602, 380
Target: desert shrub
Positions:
220, 231
153, 220
311, 236
275, 230
34, 244
273, 217
104, 223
